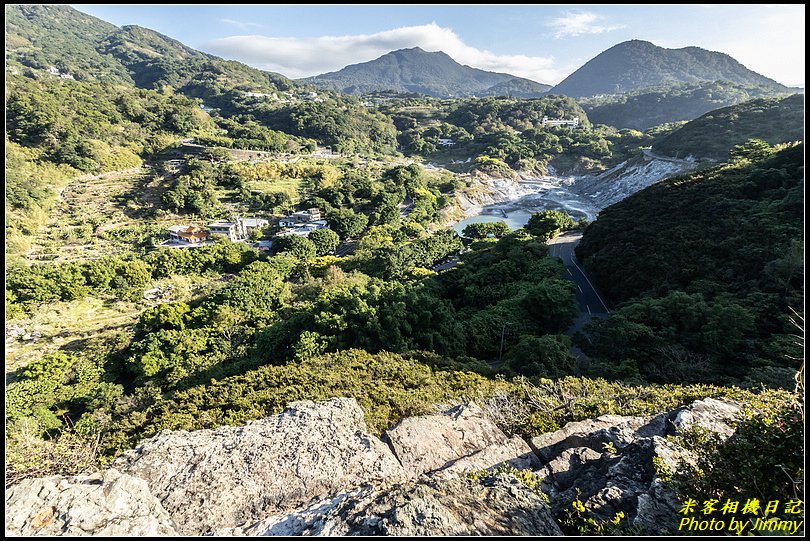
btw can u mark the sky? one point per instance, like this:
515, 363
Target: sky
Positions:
543, 43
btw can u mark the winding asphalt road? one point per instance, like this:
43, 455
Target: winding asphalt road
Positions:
589, 301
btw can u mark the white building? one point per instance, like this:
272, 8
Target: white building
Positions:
443, 142
561, 122
249, 224
300, 217
228, 229
238, 229
303, 229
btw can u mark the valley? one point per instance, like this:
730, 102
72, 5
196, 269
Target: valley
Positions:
417, 264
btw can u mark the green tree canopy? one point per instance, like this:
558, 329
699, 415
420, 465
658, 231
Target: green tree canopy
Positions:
549, 223
325, 241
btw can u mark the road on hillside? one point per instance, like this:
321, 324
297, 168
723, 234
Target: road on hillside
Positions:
652, 155
589, 301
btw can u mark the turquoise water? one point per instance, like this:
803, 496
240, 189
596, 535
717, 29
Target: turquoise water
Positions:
514, 220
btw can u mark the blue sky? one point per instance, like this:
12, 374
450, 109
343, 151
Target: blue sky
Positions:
544, 43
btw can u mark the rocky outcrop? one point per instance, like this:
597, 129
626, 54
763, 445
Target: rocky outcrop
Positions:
461, 439
113, 505
627, 178
315, 470
210, 479
499, 505
609, 463
709, 414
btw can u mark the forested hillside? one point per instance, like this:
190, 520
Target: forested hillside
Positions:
643, 109
497, 135
39, 37
713, 135
705, 272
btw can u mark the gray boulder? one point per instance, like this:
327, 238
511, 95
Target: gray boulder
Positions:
710, 414
231, 476
499, 505
598, 434
460, 439
609, 463
113, 505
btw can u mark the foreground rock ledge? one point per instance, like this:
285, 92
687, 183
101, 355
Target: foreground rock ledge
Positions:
113, 505
315, 470
230, 476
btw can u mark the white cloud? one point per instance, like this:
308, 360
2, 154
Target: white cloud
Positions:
303, 57
241, 25
577, 23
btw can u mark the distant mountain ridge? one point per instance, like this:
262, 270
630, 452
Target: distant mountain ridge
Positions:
40, 36
636, 64
433, 73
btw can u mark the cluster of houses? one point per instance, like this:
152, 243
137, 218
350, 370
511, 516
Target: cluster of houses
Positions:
284, 97
234, 231
300, 223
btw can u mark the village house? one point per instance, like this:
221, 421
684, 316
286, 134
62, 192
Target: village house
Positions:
187, 234
302, 223
238, 229
303, 230
249, 224
301, 217
230, 230
264, 245
444, 142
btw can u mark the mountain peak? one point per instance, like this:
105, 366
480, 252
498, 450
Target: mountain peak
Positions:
406, 50
433, 73
636, 64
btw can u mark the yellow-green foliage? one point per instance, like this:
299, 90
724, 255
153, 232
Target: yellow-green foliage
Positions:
527, 477
27, 455
387, 386
31, 188
390, 387
764, 458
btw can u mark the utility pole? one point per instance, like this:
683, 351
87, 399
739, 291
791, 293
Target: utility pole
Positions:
503, 334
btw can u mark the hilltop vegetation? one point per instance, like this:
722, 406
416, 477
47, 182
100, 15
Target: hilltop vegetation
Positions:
705, 272
643, 109
40, 36
713, 135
